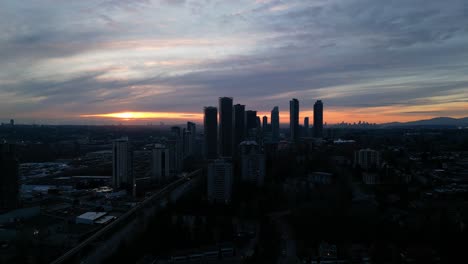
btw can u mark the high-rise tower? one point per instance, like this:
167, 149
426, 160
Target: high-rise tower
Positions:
225, 126
294, 119
160, 164
122, 171
210, 123
239, 126
275, 124
318, 119
306, 126
265, 123
220, 181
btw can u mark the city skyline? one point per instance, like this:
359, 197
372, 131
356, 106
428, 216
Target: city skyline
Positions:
92, 62
233, 132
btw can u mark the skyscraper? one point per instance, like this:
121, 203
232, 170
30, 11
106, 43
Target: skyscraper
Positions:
306, 126
160, 163
220, 181
176, 150
252, 163
175, 131
188, 143
264, 123
210, 123
225, 126
9, 177
294, 119
192, 128
239, 126
275, 124
122, 171
318, 119
250, 120
175, 155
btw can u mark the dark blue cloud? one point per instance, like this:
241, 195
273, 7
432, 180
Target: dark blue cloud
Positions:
354, 54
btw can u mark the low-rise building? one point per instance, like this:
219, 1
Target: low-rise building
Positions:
89, 218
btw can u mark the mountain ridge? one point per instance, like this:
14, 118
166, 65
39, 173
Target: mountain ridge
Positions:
436, 121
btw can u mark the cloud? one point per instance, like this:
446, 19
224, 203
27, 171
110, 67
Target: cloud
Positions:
163, 56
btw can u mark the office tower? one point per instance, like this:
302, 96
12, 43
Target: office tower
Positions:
12, 122
188, 142
367, 159
225, 127
175, 131
175, 156
239, 126
318, 119
264, 123
294, 119
275, 124
250, 120
176, 150
9, 177
210, 123
258, 123
184, 143
198, 147
160, 163
252, 163
122, 171
306, 126
192, 128
220, 181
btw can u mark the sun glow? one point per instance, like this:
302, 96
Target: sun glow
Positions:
146, 115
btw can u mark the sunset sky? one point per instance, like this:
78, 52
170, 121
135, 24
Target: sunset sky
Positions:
80, 62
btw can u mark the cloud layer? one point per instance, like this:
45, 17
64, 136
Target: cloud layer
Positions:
62, 59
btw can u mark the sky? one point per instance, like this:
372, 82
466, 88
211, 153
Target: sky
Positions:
164, 60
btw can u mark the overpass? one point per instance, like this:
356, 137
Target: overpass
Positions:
87, 248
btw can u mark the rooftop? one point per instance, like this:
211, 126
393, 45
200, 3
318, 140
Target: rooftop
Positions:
92, 215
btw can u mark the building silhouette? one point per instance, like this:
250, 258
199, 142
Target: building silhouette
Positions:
306, 126
188, 143
210, 124
9, 177
225, 127
191, 142
239, 126
250, 122
252, 163
367, 159
265, 123
175, 131
220, 181
160, 164
294, 119
192, 127
122, 170
275, 124
176, 150
318, 119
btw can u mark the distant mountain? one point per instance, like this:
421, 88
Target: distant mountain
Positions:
438, 121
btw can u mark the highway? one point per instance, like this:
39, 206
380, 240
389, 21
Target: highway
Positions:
125, 217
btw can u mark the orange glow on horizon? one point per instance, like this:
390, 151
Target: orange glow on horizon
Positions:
379, 115
147, 115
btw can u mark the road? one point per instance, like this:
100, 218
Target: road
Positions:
126, 218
